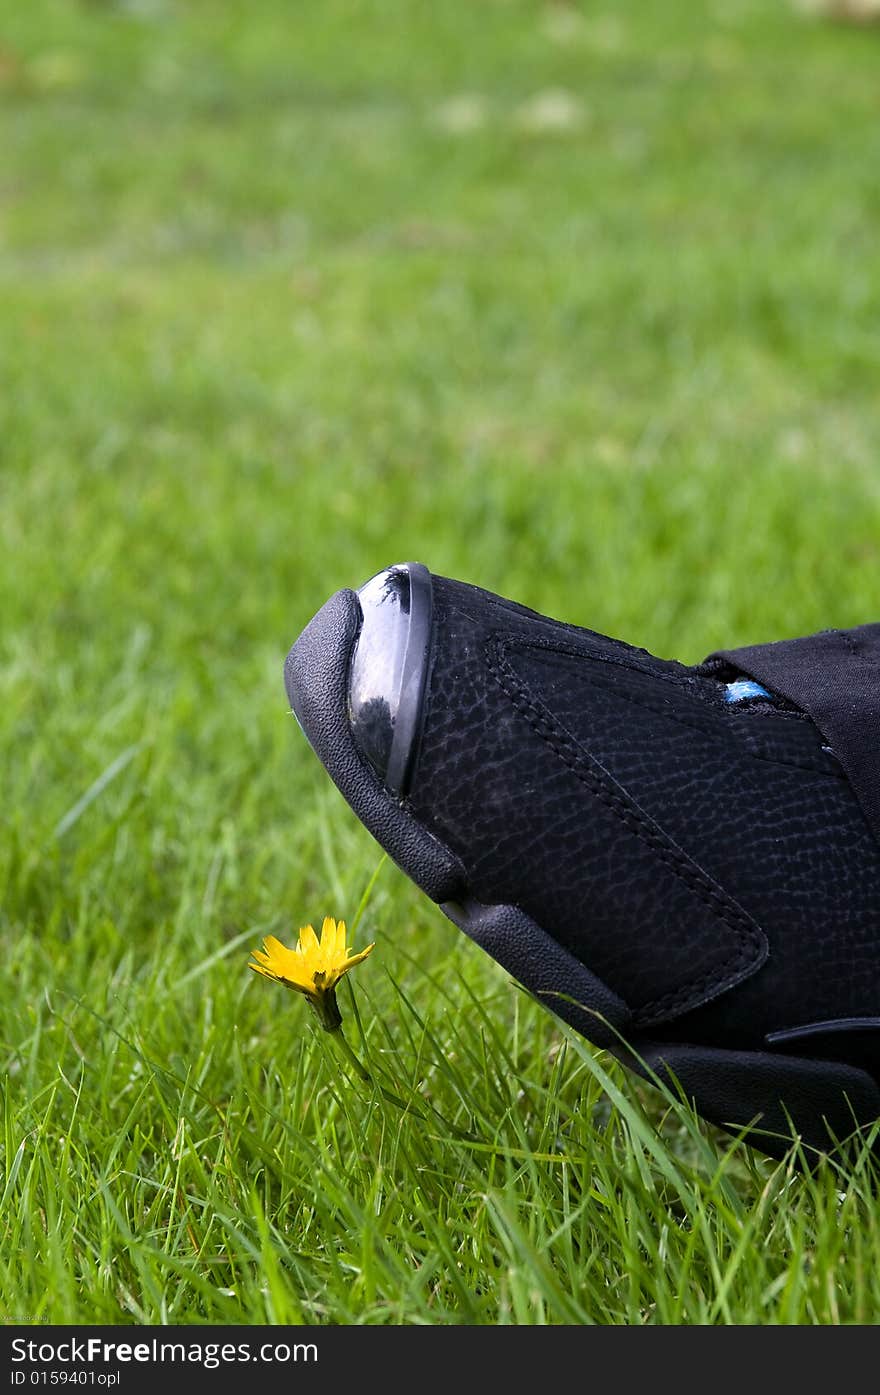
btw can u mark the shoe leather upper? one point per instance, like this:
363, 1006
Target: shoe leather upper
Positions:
708, 862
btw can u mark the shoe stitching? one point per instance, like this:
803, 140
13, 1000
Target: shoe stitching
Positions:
751, 941
566, 652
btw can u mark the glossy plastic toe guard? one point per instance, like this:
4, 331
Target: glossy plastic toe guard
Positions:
389, 669
316, 676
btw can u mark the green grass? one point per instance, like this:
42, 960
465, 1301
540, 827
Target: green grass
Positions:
289, 292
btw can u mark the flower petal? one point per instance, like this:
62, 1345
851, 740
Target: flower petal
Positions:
358, 958
308, 940
262, 969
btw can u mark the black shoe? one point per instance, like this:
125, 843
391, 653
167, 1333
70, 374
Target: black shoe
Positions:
672, 859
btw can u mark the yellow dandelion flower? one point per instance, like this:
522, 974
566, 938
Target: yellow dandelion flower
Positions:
313, 967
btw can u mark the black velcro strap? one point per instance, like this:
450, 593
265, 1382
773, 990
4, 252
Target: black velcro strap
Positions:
834, 677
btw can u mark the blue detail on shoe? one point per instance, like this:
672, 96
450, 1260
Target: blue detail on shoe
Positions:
743, 688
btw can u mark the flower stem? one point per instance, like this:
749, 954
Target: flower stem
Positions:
344, 1048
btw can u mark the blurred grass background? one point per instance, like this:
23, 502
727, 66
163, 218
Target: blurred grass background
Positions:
578, 302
